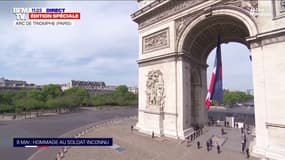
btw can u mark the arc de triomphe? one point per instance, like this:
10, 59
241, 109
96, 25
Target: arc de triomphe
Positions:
175, 38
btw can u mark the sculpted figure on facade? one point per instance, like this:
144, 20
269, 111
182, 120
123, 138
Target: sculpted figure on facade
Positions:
155, 90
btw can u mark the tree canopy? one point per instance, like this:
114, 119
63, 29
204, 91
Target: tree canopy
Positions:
52, 97
233, 97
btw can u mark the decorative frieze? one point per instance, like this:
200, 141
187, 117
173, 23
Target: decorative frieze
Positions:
155, 91
249, 5
174, 7
168, 10
156, 41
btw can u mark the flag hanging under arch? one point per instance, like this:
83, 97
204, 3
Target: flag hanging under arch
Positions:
215, 91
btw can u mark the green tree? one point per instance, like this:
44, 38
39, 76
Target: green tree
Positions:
36, 94
81, 94
33, 104
122, 89
20, 105
5, 108
52, 104
51, 91
121, 96
20, 94
231, 98
7, 97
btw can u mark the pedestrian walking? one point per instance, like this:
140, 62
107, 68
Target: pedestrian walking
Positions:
218, 149
188, 141
242, 146
211, 143
208, 146
222, 130
198, 145
247, 153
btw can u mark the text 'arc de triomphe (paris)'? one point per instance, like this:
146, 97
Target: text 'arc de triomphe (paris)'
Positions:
175, 38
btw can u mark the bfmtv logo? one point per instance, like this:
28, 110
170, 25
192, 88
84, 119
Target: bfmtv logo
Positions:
260, 12
21, 13
253, 11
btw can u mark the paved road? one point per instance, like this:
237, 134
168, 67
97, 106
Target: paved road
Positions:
52, 126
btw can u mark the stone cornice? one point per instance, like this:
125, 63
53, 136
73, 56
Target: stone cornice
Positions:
170, 56
157, 112
168, 9
266, 38
148, 8
164, 56
163, 9
269, 124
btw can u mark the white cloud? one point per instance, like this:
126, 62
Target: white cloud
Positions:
102, 46
105, 39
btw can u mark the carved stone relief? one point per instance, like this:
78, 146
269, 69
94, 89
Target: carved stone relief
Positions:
181, 23
155, 90
156, 41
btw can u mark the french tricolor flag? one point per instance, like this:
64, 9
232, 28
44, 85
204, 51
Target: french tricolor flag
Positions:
215, 91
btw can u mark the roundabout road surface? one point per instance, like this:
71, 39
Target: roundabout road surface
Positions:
51, 126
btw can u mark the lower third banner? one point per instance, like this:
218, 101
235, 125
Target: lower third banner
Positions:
46, 142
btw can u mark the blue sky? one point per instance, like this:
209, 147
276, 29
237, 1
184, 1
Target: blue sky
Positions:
237, 69
102, 46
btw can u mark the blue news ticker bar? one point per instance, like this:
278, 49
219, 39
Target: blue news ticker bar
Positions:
22, 142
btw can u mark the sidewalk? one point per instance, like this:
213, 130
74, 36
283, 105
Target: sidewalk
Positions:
134, 145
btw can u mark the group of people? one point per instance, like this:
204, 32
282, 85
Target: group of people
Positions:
209, 145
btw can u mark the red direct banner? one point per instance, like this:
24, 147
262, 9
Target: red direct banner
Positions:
51, 16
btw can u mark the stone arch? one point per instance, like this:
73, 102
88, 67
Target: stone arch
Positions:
231, 12
199, 37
